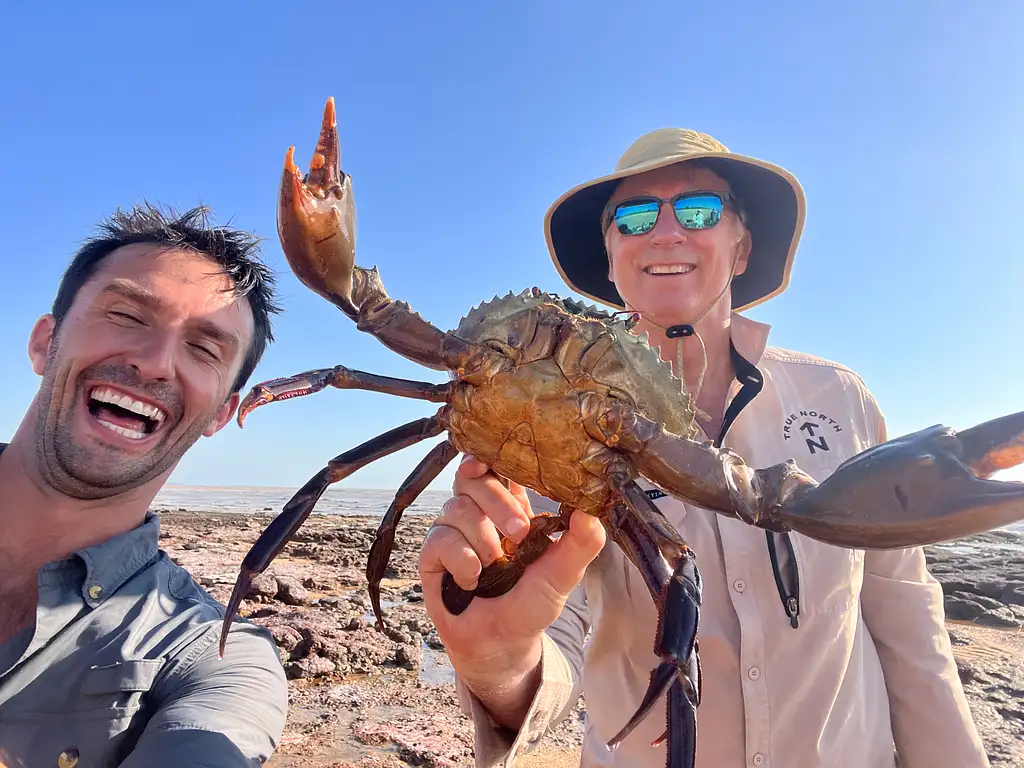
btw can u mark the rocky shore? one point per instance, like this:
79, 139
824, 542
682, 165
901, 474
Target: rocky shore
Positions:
363, 699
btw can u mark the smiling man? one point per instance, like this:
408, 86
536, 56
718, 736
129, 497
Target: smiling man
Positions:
108, 650
813, 656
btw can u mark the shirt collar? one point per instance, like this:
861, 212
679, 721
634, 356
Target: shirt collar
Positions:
749, 337
111, 563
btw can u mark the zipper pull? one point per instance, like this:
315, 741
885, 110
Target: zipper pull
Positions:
793, 611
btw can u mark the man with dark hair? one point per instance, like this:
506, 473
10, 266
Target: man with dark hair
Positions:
108, 650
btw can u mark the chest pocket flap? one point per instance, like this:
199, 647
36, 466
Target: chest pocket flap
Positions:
133, 675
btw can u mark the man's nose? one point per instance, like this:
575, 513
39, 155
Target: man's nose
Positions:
668, 229
154, 359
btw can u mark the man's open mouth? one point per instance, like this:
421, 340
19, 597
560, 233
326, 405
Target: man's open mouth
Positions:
123, 414
669, 269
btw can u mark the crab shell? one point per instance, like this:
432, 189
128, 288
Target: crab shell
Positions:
525, 419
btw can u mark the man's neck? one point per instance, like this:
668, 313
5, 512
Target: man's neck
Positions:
41, 524
707, 365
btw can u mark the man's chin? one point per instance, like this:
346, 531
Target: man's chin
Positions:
86, 474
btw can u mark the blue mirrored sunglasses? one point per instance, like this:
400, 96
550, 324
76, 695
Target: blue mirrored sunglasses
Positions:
694, 210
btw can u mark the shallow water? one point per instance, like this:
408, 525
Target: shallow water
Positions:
335, 501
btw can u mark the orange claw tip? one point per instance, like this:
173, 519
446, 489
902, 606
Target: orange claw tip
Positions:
329, 117
289, 161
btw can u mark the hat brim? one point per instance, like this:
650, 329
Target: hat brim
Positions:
772, 199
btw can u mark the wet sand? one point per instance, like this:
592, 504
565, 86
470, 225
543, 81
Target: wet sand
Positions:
359, 697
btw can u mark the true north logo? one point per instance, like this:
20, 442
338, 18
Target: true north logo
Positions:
811, 427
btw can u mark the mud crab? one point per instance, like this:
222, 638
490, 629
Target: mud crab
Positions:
565, 400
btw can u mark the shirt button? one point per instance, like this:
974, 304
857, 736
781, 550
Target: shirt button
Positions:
739, 585
68, 758
757, 759
95, 591
753, 673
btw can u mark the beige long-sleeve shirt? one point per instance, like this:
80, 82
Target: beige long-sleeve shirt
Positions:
867, 670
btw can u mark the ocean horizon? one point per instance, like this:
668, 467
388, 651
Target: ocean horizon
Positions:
243, 499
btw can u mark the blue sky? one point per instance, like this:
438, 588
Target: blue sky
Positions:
902, 121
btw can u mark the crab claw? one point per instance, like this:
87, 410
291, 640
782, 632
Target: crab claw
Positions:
926, 487
316, 219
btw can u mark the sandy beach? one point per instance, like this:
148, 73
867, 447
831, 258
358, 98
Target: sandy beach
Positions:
362, 698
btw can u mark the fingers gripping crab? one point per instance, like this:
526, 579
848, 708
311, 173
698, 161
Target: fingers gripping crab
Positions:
565, 400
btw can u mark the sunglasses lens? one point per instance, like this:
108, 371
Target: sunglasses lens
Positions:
636, 218
700, 212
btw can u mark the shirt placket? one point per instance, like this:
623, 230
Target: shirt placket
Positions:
60, 602
738, 553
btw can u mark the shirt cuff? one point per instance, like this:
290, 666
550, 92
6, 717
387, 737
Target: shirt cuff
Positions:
497, 745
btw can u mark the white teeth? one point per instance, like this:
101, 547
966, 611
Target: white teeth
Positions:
134, 434
669, 269
107, 395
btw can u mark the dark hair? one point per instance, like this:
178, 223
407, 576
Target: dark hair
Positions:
236, 251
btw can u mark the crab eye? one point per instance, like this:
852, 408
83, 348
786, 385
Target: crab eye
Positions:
618, 394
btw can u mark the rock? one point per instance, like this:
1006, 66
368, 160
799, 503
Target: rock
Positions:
1013, 594
988, 603
286, 637
990, 589
957, 637
999, 617
408, 656
263, 586
960, 609
291, 592
311, 666
966, 671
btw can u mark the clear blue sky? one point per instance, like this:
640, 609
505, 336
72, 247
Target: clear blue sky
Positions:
904, 127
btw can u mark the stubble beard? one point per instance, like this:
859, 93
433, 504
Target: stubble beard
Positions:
90, 471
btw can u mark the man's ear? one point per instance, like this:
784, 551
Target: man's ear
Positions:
39, 341
223, 416
743, 252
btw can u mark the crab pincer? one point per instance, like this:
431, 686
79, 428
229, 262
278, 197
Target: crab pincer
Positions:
316, 219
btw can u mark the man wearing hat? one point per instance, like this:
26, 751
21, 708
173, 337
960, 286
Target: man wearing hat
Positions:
813, 656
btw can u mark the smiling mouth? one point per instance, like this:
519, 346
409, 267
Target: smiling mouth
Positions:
669, 269
123, 414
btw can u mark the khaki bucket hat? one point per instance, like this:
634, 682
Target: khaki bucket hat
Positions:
771, 198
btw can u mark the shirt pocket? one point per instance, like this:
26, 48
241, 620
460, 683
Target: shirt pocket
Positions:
830, 577
92, 726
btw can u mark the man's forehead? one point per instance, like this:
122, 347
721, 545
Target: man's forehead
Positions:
681, 176
172, 277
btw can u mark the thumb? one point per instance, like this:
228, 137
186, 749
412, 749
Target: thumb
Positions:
565, 563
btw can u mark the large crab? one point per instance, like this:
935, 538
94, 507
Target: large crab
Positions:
567, 401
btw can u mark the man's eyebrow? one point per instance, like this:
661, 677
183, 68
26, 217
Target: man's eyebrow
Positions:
132, 291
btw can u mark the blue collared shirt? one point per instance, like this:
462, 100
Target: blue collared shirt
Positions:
121, 669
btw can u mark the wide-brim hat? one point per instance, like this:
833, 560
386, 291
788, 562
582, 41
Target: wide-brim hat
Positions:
770, 197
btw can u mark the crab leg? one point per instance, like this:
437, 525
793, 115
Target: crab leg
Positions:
499, 577
316, 224
310, 382
669, 570
429, 468
295, 512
